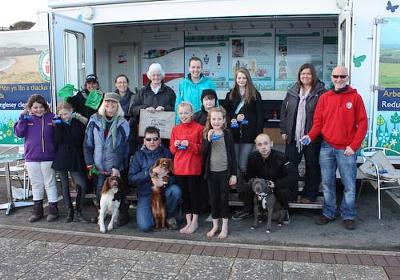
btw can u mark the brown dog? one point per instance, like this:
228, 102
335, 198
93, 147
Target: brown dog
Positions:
160, 175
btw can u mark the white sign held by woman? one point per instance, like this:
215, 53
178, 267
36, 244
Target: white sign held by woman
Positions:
164, 121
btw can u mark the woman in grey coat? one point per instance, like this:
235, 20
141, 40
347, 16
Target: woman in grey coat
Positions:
297, 113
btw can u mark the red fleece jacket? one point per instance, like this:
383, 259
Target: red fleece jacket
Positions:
187, 162
341, 119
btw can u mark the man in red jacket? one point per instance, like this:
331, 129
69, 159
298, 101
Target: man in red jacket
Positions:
341, 118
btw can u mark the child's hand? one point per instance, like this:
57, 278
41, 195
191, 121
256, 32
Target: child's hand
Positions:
232, 180
151, 109
240, 117
115, 172
26, 111
177, 143
209, 135
185, 143
160, 109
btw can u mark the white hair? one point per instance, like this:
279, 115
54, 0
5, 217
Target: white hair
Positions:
102, 110
155, 68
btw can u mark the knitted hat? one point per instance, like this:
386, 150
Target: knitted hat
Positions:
112, 96
208, 92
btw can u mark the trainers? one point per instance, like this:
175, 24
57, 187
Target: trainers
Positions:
241, 215
172, 224
286, 217
349, 224
322, 220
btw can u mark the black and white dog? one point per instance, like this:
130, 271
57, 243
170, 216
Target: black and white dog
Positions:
109, 202
265, 201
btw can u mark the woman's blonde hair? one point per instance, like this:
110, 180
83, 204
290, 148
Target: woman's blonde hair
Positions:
102, 111
208, 122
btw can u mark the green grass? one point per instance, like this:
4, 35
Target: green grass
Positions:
389, 74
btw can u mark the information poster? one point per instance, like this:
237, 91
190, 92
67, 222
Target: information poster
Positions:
295, 47
24, 70
166, 48
256, 53
213, 51
387, 114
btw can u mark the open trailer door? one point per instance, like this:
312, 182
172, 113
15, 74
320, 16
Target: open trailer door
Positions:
344, 39
71, 44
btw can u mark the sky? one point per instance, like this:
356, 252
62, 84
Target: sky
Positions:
17, 10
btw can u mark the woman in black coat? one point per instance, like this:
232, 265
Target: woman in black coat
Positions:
297, 112
243, 105
69, 136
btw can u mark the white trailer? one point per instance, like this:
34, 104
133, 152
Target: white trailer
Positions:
270, 38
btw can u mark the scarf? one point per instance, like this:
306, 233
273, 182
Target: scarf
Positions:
113, 128
301, 118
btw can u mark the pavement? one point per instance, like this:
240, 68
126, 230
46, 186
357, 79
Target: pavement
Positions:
30, 253
300, 250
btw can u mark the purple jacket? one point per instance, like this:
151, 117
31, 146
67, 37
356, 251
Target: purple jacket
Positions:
39, 137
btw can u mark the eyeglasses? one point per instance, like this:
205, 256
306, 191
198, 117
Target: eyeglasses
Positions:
150, 139
339, 76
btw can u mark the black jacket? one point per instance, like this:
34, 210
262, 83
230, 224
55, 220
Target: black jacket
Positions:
201, 116
69, 141
146, 98
126, 102
230, 151
252, 111
78, 104
289, 109
276, 168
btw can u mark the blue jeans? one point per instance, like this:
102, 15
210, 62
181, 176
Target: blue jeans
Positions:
330, 159
144, 216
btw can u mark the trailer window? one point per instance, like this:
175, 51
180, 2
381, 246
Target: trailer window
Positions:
74, 58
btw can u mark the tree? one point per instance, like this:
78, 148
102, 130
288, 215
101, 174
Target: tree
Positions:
22, 25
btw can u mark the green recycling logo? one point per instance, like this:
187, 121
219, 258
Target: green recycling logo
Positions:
44, 65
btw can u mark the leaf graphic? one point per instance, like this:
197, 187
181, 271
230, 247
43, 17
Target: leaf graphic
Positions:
358, 60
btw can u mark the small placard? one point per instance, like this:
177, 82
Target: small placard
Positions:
164, 121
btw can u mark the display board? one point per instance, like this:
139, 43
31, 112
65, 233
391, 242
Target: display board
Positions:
213, 51
387, 115
24, 70
295, 47
254, 51
166, 48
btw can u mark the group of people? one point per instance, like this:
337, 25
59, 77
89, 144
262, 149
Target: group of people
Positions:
213, 146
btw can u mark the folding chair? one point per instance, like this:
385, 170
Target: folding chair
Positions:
378, 171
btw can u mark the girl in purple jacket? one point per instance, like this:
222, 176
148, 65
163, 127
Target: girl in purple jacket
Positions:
35, 124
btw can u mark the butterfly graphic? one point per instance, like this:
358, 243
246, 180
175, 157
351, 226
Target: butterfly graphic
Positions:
391, 7
358, 60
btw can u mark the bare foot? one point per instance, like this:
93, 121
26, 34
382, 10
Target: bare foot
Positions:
223, 234
212, 232
184, 229
192, 228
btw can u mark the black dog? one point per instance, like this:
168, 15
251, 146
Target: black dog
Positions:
265, 201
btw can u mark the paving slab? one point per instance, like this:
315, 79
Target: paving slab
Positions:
204, 267
256, 269
160, 263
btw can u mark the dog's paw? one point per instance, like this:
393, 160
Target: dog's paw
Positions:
268, 231
110, 227
102, 229
280, 224
253, 227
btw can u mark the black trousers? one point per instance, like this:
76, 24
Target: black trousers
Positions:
218, 188
190, 188
313, 170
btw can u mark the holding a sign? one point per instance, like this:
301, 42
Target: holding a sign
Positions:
164, 121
